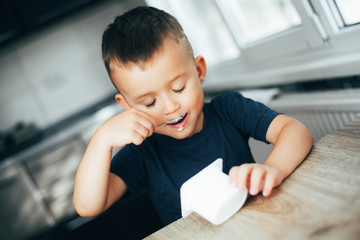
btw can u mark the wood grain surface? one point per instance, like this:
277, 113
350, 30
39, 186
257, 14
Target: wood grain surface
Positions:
319, 200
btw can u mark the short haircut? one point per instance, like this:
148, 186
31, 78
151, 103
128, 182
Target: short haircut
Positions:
135, 36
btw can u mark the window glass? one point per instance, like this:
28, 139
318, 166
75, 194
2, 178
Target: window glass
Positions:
257, 19
348, 12
204, 27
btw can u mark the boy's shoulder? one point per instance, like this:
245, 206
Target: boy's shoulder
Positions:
228, 96
226, 104
236, 104
227, 99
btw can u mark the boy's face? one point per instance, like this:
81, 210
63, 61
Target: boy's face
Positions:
167, 88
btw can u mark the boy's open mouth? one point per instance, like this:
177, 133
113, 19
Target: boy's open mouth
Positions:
175, 121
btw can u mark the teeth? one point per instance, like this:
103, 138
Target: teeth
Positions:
173, 121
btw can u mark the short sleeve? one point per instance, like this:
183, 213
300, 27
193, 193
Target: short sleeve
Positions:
129, 166
250, 117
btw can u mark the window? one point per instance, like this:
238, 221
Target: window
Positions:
253, 20
346, 12
279, 40
222, 29
207, 32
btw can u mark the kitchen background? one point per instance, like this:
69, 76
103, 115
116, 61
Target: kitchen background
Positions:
56, 71
54, 93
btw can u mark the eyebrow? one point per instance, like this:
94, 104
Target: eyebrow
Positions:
171, 81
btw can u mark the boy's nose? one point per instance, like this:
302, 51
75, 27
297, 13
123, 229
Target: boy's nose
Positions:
170, 105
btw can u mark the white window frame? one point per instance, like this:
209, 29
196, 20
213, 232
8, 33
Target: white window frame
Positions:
309, 35
316, 49
340, 36
320, 51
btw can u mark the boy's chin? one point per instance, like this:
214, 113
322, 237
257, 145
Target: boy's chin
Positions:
174, 133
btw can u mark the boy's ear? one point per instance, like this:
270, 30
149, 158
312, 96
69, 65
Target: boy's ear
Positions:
122, 101
200, 67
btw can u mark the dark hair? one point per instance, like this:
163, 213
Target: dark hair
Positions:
136, 35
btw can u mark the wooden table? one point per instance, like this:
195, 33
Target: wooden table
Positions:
319, 200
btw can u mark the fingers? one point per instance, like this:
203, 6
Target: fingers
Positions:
149, 120
140, 134
257, 180
255, 177
130, 126
143, 126
239, 175
270, 183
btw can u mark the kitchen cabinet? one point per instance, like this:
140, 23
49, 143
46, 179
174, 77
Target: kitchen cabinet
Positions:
9, 24
53, 173
36, 194
22, 212
36, 12
22, 16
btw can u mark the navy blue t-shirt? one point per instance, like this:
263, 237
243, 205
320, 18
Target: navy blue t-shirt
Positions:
161, 164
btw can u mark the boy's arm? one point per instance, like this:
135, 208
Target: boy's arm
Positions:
96, 188
292, 142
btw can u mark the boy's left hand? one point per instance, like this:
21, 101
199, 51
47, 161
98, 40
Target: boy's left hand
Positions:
256, 178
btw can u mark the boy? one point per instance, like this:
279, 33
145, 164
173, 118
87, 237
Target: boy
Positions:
167, 132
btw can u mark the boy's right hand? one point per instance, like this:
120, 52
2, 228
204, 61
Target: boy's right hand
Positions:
130, 126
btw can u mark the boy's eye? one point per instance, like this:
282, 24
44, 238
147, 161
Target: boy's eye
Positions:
151, 104
180, 90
